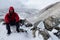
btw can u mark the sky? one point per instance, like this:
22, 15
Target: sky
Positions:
36, 4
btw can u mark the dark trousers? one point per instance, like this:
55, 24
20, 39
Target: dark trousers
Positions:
11, 24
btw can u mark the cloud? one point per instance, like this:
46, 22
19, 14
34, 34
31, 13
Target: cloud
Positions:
38, 4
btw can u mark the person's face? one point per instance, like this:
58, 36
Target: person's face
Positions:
11, 12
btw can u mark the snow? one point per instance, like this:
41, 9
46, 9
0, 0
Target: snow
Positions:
15, 35
53, 37
41, 25
23, 36
31, 4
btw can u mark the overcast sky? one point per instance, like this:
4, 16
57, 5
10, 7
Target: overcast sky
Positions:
37, 4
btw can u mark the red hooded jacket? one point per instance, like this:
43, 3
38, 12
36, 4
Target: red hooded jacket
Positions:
12, 18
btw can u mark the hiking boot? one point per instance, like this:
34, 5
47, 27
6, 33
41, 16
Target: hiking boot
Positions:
18, 31
9, 32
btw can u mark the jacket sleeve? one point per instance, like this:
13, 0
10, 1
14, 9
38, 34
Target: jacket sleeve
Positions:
6, 19
17, 18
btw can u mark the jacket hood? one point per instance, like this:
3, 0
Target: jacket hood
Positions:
11, 8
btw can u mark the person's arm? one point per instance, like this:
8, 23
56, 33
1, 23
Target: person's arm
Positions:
6, 19
17, 18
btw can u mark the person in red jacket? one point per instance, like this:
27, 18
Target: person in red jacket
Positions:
11, 18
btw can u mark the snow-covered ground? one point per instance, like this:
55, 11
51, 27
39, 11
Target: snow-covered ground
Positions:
23, 35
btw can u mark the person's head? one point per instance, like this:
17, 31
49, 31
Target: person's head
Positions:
11, 10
